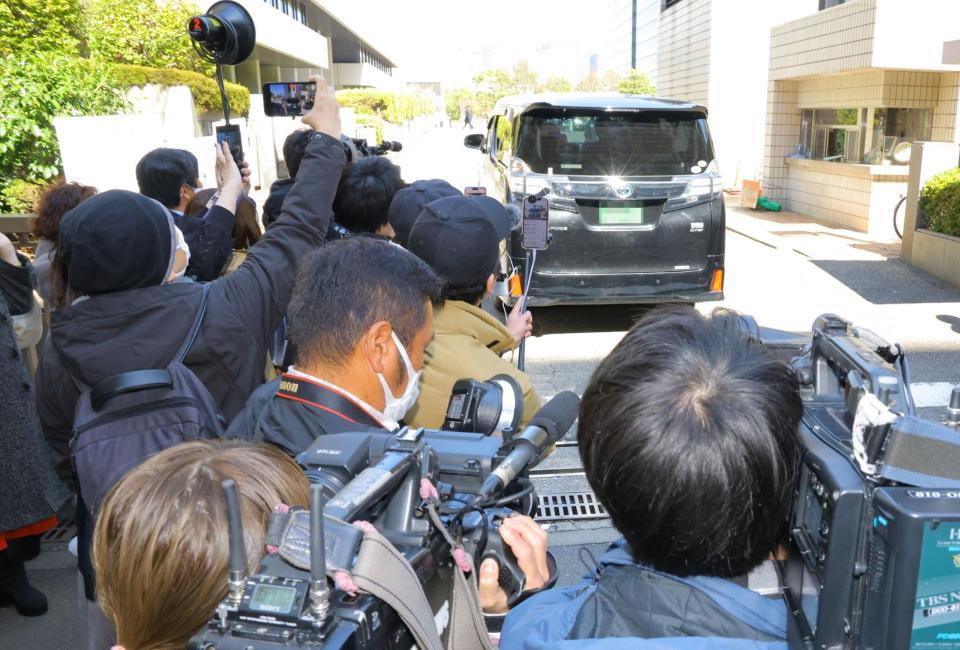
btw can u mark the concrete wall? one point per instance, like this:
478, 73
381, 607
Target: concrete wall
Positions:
683, 59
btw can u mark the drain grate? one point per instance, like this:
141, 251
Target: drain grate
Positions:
61, 533
571, 505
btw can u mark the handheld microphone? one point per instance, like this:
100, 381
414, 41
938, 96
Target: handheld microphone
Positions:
549, 425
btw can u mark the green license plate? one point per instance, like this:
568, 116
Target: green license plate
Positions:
618, 216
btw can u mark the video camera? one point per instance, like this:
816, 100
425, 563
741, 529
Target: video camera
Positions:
874, 558
378, 478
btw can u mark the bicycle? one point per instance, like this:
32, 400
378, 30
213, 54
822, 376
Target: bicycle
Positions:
899, 216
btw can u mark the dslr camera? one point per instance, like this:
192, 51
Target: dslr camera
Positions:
379, 478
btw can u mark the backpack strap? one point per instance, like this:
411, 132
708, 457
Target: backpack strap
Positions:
195, 328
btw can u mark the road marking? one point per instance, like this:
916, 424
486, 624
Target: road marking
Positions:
933, 393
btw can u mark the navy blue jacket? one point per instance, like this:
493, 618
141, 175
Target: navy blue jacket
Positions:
625, 604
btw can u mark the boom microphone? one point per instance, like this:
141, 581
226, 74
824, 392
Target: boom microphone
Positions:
549, 425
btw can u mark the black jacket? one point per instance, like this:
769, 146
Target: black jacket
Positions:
271, 207
29, 489
141, 328
210, 239
293, 419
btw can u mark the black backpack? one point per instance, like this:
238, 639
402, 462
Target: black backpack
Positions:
125, 419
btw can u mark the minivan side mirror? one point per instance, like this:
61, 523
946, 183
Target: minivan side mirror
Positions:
475, 141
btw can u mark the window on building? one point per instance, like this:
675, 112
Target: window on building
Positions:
294, 11
892, 127
832, 134
303, 13
826, 4
275, 4
285, 6
666, 4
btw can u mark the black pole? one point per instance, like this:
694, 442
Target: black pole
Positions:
522, 353
223, 93
633, 36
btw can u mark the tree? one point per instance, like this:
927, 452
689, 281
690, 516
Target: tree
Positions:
556, 84
637, 83
34, 89
610, 81
149, 33
591, 84
525, 80
28, 26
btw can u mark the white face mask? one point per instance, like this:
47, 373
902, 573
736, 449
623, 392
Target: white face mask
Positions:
396, 407
182, 246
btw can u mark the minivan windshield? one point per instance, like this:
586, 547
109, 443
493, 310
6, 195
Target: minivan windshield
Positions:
572, 142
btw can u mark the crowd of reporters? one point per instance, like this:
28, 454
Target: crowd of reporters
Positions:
686, 430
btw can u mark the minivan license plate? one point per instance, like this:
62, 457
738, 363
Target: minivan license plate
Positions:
621, 216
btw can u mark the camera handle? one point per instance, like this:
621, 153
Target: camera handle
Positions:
224, 102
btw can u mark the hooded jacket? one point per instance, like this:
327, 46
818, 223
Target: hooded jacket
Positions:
467, 343
131, 321
627, 605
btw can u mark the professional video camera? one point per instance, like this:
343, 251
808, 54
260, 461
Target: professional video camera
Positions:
875, 525
357, 148
380, 478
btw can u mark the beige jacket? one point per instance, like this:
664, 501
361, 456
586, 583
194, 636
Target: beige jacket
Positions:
468, 343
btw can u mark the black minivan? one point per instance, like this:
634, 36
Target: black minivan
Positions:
636, 203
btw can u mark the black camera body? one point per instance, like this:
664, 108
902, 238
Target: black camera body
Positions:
379, 478
875, 524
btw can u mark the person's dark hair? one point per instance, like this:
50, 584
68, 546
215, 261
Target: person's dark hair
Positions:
471, 296
688, 434
162, 172
246, 229
366, 189
293, 149
56, 202
347, 286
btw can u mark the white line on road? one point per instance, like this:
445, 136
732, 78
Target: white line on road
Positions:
933, 393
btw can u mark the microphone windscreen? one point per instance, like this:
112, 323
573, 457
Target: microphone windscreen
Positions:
515, 217
557, 416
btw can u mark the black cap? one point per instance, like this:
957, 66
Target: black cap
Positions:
115, 241
458, 241
409, 202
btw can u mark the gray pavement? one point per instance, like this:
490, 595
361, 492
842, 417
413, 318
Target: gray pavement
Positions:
783, 270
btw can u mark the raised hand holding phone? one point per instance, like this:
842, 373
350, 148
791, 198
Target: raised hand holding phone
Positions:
324, 117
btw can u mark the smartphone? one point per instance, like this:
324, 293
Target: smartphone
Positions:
474, 190
289, 98
230, 134
534, 228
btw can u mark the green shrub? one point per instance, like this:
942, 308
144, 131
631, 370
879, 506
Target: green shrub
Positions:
150, 33
392, 107
206, 95
20, 196
34, 89
940, 202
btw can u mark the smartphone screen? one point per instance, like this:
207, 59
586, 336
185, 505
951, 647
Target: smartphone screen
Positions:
231, 135
288, 98
536, 213
474, 190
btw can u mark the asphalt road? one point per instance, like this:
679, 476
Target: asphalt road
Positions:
778, 285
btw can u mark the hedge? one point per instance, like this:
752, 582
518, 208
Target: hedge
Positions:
392, 107
206, 95
940, 203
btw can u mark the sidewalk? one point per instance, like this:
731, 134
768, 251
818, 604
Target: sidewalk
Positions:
806, 236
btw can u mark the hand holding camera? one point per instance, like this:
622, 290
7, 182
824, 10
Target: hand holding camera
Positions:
519, 322
324, 117
528, 541
229, 178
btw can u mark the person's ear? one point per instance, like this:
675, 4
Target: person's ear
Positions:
491, 281
186, 194
380, 348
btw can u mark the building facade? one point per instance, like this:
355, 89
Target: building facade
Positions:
850, 88
298, 38
712, 52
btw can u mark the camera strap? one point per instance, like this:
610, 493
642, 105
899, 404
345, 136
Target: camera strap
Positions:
299, 389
